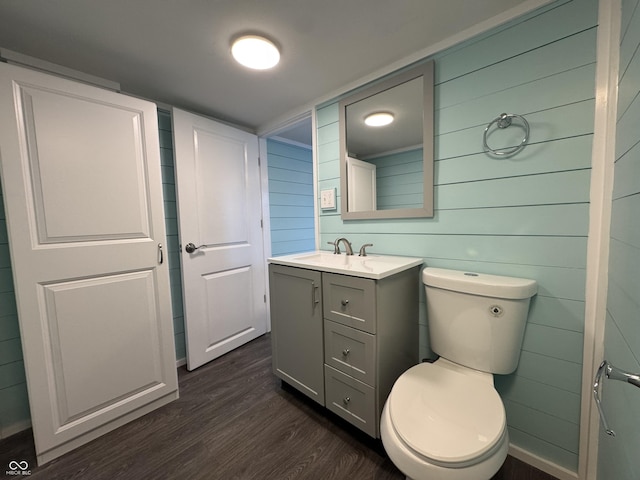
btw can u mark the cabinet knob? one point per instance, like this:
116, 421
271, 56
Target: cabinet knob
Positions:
345, 352
344, 303
346, 400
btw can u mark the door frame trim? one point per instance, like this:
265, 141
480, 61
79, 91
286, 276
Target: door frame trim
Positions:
264, 179
266, 219
601, 194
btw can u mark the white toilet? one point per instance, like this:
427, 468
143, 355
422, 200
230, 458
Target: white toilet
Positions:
445, 420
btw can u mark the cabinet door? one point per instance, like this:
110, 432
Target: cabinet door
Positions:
296, 328
83, 196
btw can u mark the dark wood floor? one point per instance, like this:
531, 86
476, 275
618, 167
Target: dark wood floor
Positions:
234, 420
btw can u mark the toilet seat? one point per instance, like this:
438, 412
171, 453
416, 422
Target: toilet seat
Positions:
462, 411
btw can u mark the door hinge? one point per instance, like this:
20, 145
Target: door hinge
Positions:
261, 223
259, 164
265, 298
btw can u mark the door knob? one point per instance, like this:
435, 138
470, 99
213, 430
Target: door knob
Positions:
190, 247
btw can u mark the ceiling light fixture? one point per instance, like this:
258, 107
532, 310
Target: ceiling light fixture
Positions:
379, 119
255, 52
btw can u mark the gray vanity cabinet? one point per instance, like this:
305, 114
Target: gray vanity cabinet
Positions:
349, 357
296, 328
370, 339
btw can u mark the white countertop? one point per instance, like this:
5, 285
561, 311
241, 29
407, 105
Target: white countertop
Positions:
370, 266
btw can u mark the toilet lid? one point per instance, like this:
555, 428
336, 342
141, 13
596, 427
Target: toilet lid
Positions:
447, 416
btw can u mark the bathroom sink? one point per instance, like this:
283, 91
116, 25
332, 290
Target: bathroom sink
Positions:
371, 266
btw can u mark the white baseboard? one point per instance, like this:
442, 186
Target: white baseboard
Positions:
180, 362
542, 464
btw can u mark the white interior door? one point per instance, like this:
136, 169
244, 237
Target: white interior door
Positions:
82, 190
219, 210
361, 178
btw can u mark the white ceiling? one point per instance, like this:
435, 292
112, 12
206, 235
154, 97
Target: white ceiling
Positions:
177, 52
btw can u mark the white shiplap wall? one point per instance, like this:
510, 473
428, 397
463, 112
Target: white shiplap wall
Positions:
525, 216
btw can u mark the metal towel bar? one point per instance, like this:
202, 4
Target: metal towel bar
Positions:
612, 373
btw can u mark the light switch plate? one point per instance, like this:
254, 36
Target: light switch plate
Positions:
328, 199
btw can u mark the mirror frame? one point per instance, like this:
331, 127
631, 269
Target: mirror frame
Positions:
426, 71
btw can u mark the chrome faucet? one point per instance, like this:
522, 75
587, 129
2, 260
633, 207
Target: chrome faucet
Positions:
347, 246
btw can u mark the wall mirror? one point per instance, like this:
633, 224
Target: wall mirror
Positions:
386, 169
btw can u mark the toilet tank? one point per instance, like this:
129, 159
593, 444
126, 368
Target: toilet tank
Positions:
477, 320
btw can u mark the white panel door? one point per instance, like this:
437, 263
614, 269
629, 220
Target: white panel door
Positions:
83, 198
219, 210
361, 178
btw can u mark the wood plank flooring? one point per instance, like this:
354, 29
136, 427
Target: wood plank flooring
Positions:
234, 420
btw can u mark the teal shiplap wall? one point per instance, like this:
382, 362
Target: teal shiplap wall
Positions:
399, 180
526, 216
14, 402
618, 457
290, 171
165, 131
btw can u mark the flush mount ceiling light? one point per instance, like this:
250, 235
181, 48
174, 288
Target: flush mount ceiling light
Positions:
379, 119
255, 52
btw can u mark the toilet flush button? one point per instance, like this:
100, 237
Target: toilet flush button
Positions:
496, 310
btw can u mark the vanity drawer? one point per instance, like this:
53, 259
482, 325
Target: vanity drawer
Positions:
350, 301
351, 351
351, 399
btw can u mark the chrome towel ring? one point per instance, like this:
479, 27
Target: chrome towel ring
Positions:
504, 120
